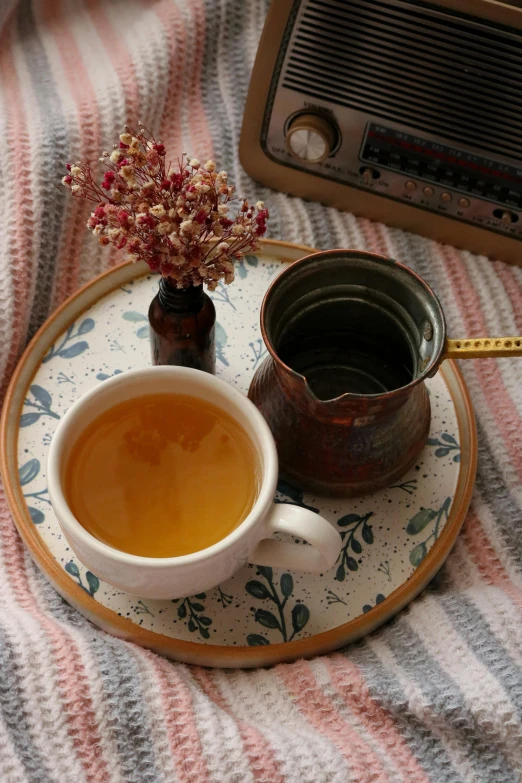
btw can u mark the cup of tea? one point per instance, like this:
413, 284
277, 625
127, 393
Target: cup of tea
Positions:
163, 482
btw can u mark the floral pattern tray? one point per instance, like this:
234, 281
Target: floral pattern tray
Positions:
393, 541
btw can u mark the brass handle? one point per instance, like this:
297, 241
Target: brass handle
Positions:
482, 347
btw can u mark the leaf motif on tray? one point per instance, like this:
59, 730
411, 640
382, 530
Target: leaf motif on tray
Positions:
65, 351
352, 524
446, 445
191, 610
39, 399
93, 583
419, 522
277, 619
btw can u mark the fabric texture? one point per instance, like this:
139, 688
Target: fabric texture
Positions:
436, 696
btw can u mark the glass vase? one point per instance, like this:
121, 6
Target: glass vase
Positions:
182, 327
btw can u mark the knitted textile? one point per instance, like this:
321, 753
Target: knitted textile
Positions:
436, 695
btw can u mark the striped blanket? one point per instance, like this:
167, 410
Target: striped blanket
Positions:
436, 696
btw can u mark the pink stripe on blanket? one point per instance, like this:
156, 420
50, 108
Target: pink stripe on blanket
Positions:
182, 732
262, 762
485, 557
350, 683
200, 137
513, 291
321, 713
21, 228
373, 237
500, 403
87, 119
171, 131
72, 678
120, 57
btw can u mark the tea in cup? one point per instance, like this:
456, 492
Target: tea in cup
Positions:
163, 482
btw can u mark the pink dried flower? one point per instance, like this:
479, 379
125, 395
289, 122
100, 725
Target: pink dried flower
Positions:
176, 219
108, 179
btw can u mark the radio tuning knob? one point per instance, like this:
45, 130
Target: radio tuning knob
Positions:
311, 137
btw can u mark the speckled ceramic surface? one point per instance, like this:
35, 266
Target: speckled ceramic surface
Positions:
386, 536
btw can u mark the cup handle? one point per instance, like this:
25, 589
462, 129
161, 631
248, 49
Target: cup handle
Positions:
285, 518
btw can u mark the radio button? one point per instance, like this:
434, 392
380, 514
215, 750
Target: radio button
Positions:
369, 174
410, 185
505, 217
428, 190
311, 138
446, 197
463, 202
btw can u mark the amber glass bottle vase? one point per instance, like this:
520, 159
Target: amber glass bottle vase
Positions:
182, 327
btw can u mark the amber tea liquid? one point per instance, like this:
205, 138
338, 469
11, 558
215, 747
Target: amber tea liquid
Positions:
162, 475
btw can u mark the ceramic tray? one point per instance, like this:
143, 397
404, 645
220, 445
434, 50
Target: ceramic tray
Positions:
393, 541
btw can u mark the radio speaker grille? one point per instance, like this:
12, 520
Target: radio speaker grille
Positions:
427, 68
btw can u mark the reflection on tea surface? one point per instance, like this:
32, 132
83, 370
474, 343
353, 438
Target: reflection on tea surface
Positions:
162, 476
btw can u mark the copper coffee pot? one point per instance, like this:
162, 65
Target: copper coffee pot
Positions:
352, 336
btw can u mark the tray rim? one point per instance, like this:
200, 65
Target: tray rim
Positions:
195, 652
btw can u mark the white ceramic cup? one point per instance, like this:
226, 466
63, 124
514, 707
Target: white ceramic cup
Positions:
250, 542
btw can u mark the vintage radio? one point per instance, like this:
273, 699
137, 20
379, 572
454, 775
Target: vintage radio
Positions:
402, 111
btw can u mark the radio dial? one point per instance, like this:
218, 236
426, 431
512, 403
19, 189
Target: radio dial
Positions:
311, 138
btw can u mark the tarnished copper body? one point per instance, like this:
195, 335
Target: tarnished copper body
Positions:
344, 447
354, 442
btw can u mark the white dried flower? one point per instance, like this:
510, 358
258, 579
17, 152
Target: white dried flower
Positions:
238, 230
176, 241
125, 138
210, 165
164, 228
223, 247
97, 230
75, 188
115, 156
223, 209
114, 234
260, 205
187, 227
158, 210
194, 163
